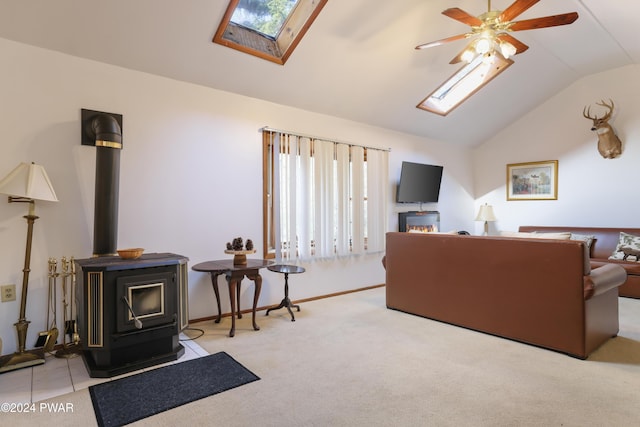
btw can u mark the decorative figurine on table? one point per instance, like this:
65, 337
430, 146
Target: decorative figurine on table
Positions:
239, 249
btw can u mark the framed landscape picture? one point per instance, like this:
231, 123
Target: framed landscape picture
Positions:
532, 181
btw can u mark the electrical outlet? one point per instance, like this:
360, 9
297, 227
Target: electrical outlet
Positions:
8, 293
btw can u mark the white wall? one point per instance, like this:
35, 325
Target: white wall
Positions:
592, 191
190, 178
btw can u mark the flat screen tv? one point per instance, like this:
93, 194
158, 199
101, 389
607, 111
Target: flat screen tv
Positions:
419, 183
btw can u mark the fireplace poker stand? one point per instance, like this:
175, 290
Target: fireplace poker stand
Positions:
69, 349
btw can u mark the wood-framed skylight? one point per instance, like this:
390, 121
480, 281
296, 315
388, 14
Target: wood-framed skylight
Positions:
465, 82
268, 29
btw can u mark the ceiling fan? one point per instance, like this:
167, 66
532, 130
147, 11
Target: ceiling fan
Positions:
493, 27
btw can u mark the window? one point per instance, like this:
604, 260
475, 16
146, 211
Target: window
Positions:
322, 199
268, 29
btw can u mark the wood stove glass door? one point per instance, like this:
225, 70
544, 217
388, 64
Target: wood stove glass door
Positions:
145, 300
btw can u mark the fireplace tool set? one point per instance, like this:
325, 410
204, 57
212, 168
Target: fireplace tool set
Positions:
47, 339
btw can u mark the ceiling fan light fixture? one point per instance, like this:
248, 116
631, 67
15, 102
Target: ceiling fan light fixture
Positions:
483, 45
488, 54
507, 49
468, 55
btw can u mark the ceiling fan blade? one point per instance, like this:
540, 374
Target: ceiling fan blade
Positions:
516, 8
520, 47
442, 41
462, 16
547, 21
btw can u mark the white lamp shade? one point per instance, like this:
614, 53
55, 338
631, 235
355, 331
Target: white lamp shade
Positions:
486, 213
483, 45
29, 181
507, 49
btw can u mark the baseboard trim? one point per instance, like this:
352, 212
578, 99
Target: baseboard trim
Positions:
336, 294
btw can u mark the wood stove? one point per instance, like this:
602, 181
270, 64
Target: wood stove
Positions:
131, 312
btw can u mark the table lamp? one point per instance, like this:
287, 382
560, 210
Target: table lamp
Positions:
26, 183
486, 214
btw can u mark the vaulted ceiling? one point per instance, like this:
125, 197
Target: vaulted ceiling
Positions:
356, 62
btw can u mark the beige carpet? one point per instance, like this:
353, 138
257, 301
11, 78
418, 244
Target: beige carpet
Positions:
349, 361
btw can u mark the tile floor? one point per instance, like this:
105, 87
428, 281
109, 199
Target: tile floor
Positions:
60, 376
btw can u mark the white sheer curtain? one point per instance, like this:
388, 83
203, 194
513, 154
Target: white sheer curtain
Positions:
324, 186
359, 213
343, 205
303, 209
285, 182
330, 198
377, 189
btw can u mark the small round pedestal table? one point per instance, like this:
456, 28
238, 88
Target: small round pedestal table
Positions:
234, 273
286, 302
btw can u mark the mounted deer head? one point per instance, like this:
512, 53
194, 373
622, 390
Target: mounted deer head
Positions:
609, 145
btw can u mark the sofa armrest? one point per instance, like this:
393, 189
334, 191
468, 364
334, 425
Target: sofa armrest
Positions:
602, 279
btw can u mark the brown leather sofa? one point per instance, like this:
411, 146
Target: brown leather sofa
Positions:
603, 245
536, 291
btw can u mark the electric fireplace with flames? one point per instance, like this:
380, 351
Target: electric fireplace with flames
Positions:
419, 221
132, 311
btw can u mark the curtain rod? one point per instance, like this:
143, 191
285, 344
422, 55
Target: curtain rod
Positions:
268, 129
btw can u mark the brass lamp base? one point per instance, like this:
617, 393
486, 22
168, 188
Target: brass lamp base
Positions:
21, 358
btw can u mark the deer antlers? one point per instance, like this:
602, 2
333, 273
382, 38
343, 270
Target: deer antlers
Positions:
587, 111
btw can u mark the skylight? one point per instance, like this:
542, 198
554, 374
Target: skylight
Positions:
465, 82
266, 17
268, 29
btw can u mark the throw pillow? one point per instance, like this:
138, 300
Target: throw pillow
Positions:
627, 245
587, 239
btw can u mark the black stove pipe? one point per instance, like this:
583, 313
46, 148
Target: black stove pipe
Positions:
106, 135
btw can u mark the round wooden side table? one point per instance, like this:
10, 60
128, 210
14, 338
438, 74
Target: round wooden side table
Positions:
286, 302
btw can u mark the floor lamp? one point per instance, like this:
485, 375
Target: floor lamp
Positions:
26, 183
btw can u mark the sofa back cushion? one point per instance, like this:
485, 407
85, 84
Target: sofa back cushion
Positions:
536, 235
604, 242
566, 235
